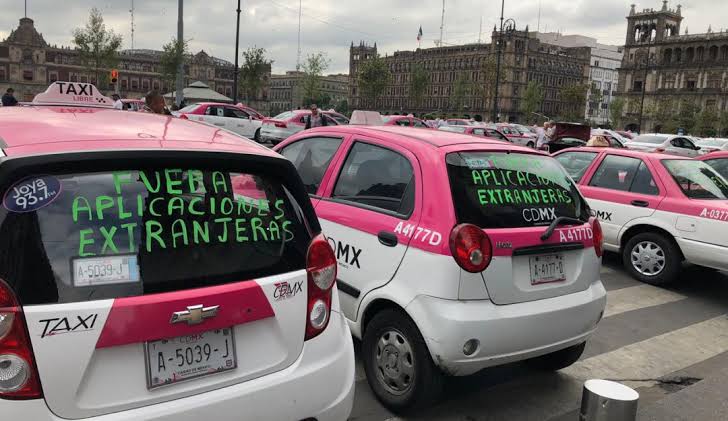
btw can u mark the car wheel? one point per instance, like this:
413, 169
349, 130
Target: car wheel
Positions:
559, 359
652, 258
530, 144
398, 365
257, 136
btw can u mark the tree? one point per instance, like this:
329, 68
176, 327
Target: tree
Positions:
459, 90
373, 78
174, 53
418, 84
706, 123
573, 98
253, 72
532, 99
723, 124
486, 87
342, 107
98, 47
616, 110
313, 68
687, 117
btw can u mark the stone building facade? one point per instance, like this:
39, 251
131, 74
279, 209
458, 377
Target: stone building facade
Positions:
668, 67
286, 92
524, 58
29, 64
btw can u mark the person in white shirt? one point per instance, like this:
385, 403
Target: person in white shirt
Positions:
542, 134
118, 105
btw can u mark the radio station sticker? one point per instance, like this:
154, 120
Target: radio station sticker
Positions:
31, 194
107, 270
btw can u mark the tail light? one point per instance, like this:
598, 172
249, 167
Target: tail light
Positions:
184, 117
280, 124
471, 247
18, 374
321, 272
598, 237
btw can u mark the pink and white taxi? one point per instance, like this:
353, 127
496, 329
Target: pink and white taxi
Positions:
160, 269
657, 210
455, 253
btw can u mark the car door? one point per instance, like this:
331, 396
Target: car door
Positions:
495, 134
372, 194
238, 121
214, 115
620, 190
682, 146
312, 157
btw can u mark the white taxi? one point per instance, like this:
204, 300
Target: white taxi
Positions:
157, 269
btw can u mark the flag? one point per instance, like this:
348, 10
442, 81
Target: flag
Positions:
419, 34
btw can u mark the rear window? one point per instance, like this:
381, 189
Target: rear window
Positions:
91, 236
509, 190
650, 139
696, 179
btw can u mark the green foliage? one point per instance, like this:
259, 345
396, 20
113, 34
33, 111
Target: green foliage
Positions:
573, 98
313, 68
98, 47
253, 72
342, 107
174, 53
706, 122
418, 84
486, 85
374, 76
457, 98
616, 110
723, 123
687, 118
532, 100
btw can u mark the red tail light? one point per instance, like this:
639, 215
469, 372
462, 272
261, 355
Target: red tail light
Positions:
598, 237
184, 117
18, 374
321, 270
281, 124
471, 247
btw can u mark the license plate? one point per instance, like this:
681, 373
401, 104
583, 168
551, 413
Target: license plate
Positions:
106, 270
187, 357
546, 269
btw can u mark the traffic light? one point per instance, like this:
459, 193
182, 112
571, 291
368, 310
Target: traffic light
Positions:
114, 75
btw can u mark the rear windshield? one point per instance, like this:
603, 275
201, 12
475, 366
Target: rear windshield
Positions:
284, 115
650, 139
509, 190
91, 236
189, 108
697, 179
456, 129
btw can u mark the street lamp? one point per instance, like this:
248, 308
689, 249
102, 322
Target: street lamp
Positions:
237, 70
509, 26
644, 81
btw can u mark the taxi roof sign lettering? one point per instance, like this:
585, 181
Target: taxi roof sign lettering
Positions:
73, 93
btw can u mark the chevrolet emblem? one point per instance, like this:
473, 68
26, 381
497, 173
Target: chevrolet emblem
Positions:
194, 314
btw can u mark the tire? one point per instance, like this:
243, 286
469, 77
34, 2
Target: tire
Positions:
256, 137
394, 334
559, 359
661, 258
530, 145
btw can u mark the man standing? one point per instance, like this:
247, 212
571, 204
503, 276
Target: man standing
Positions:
542, 135
118, 105
316, 119
8, 98
154, 103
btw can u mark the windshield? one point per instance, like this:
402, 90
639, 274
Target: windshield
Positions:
712, 142
71, 237
650, 139
697, 179
284, 116
508, 190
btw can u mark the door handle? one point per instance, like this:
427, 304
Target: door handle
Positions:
640, 203
220, 124
387, 238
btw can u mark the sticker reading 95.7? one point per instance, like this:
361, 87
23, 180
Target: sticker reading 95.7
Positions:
32, 193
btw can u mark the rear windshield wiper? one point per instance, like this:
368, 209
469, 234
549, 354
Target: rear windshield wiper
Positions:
561, 220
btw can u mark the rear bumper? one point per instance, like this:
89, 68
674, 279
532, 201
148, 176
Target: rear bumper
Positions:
506, 333
704, 254
320, 384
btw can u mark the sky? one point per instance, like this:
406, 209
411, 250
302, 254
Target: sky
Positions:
331, 25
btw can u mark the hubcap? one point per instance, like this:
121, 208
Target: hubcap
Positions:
394, 362
648, 258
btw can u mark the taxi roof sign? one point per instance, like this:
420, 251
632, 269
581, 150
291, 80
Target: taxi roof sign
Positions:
76, 94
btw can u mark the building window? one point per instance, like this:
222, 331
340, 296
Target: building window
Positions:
691, 85
3, 75
52, 77
155, 85
637, 85
134, 84
27, 75
145, 85
27, 56
124, 83
84, 79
